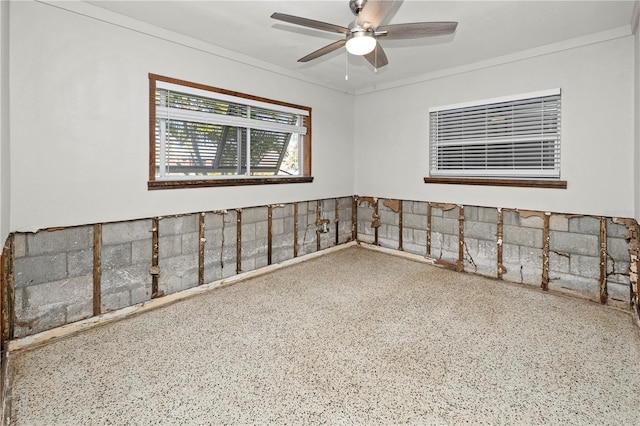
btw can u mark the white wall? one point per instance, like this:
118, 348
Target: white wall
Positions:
637, 119
5, 176
79, 122
392, 131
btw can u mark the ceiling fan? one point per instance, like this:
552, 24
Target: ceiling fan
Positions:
362, 37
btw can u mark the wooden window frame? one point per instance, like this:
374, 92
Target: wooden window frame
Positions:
196, 182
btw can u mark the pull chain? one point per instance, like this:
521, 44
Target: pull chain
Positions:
346, 65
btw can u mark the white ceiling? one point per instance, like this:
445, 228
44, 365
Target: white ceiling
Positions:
486, 30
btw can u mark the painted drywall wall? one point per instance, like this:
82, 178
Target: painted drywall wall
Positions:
597, 131
637, 116
5, 176
79, 122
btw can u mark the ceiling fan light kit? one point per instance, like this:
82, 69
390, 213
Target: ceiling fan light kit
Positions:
360, 43
363, 37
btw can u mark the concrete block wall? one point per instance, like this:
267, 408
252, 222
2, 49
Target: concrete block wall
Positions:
414, 227
53, 278
445, 233
178, 245
522, 248
220, 245
126, 250
480, 240
58, 280
574, 247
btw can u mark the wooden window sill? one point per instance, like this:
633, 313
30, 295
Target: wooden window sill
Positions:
207, 183
524, 183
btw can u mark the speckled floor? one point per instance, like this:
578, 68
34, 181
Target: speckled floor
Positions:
352, 337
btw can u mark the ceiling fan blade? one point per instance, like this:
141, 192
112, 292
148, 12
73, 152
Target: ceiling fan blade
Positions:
415, 30
318, 25
323, 51
374, 12
377, 57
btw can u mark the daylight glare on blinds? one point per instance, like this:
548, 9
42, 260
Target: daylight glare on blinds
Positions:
508, 138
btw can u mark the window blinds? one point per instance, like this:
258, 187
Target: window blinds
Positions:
509, 137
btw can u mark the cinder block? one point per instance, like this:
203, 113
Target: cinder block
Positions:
130, 277
213, 221
436, 212
567, 242
415, 221
470, 213
191, 243
420, 237
125, 232
510, 254
559, 262
407, 236
558, 222
615, 230
80, 310
256, 248
522, 236
116, 256
262, 229
115, 300
254, 214
388, 216
585, 266
19, 245
480, 230
80, 263
279, 212
67, 292
388, 243
488, 250
280, 255
178, 225
40, 269
532, 222
141, 251
277, 226
619, 292
487, 214
585, 286
366, 238
417, 207
415, 249
584, 225
453, 213
260, 262
178, 273
169, 246
35, 320
618, 249
444, 225
510, 218
68, 239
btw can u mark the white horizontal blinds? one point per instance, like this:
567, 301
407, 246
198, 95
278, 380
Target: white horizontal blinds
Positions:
204, 136
516, 137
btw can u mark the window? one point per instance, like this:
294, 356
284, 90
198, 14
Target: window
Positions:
205, 136
514, 138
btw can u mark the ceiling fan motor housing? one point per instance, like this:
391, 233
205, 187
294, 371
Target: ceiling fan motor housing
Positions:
356, 6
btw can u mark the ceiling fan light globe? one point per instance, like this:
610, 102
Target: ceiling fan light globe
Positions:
361, 43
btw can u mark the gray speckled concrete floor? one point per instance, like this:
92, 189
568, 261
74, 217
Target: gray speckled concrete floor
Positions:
353, 337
